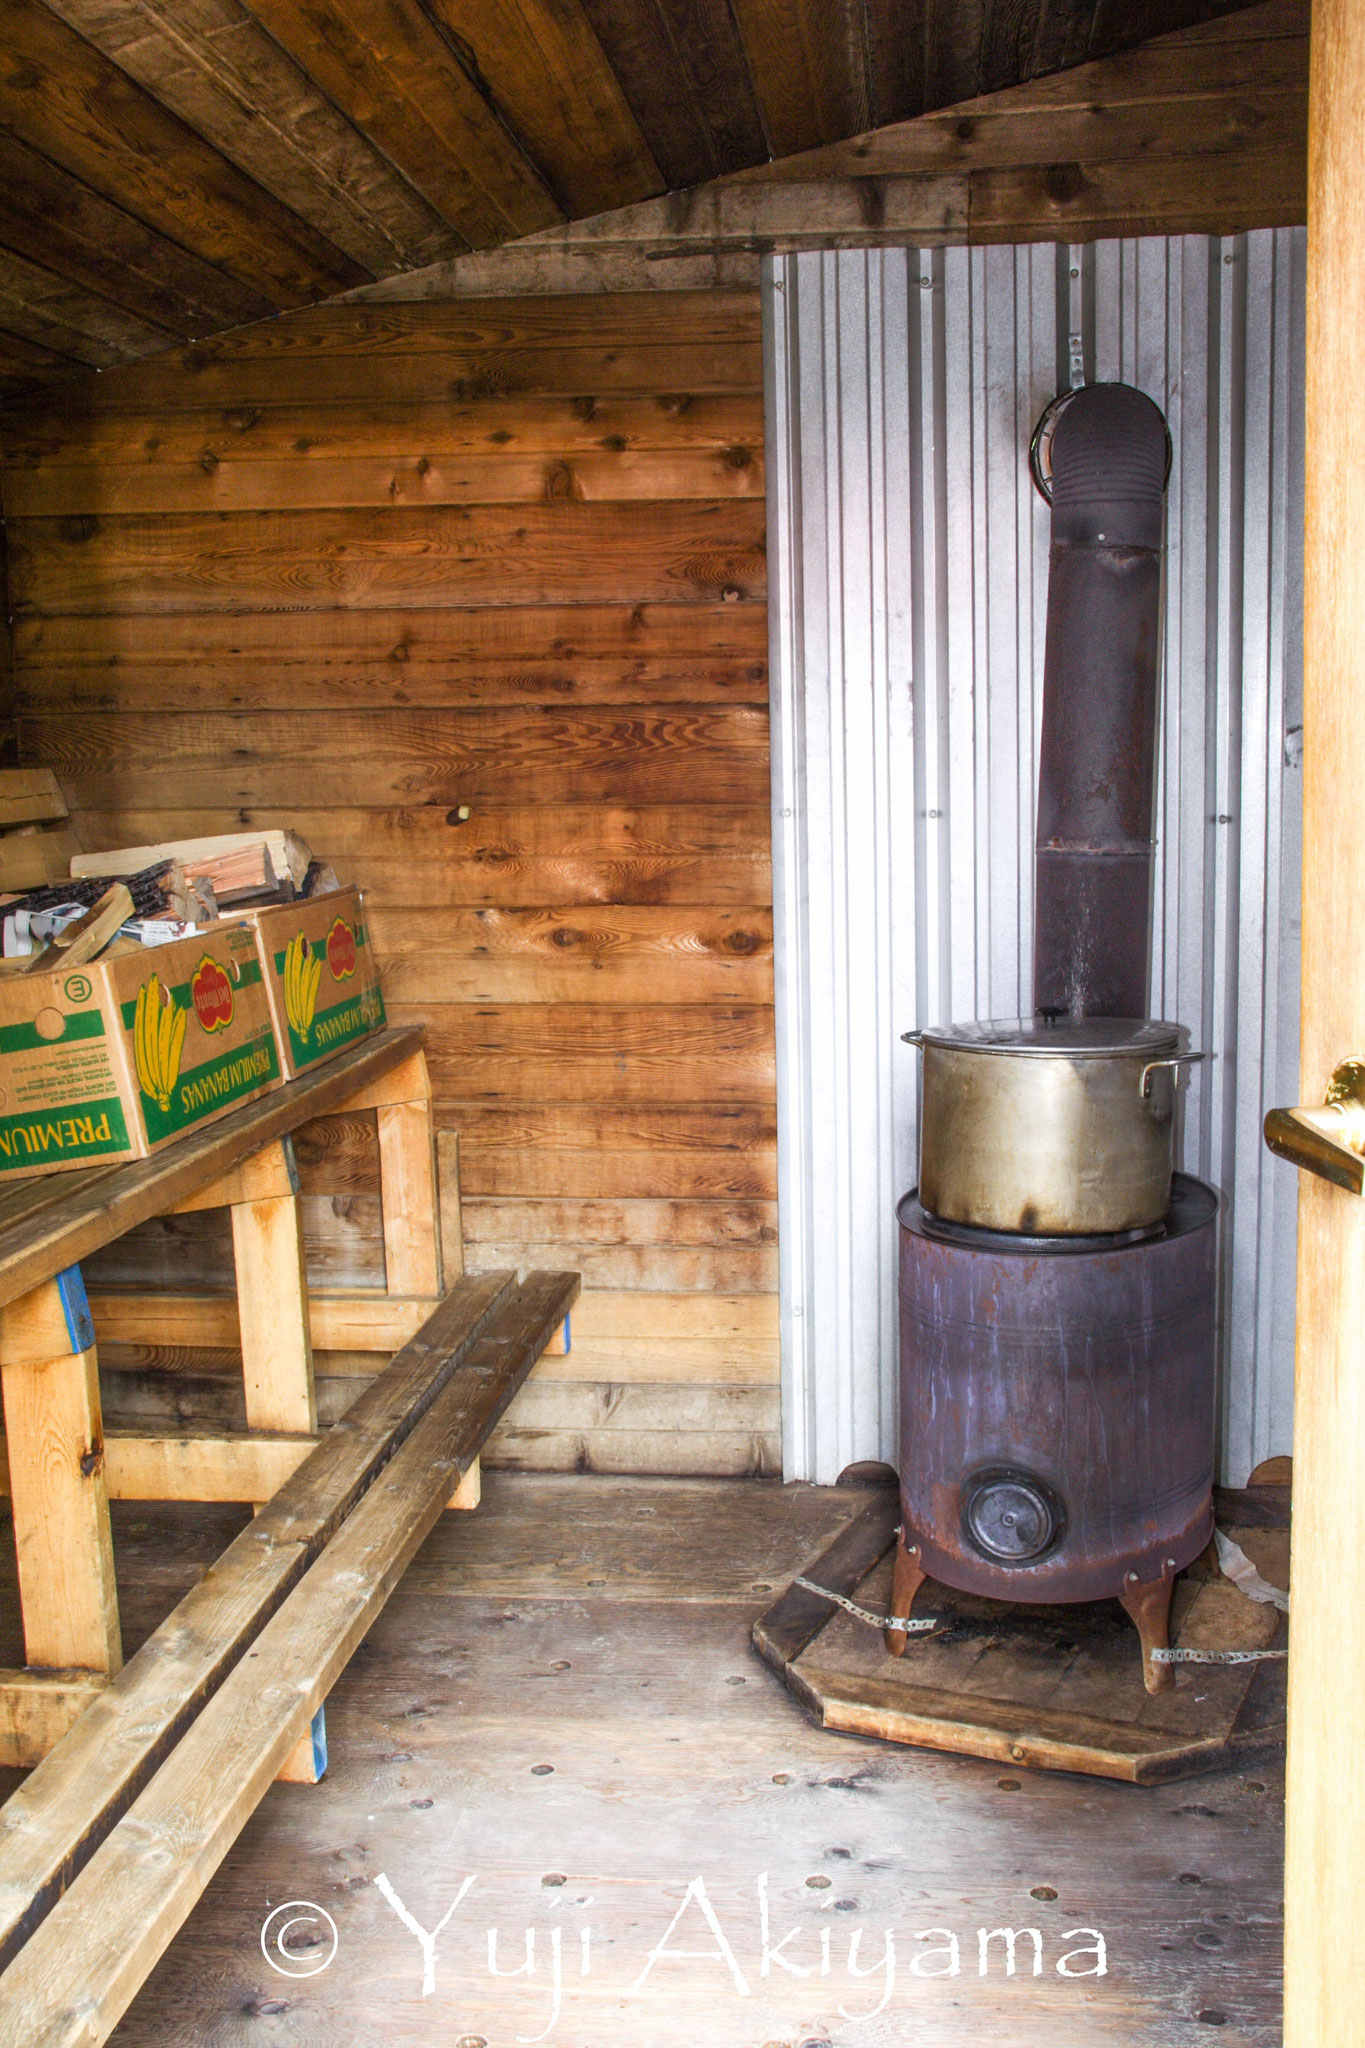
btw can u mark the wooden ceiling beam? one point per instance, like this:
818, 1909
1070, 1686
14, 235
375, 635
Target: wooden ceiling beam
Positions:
897, 60
441, 115
51, 217
808, 65
1009, 41
392, 72
682, 68
1167, 99
544, 70
219, 70
1202, 134
954, 32
48, 309
1204, 194
1062, 36
65, 98
23, 362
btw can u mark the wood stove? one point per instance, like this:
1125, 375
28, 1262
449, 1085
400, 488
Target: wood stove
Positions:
1057, 1391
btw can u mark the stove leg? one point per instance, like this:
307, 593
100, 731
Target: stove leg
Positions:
1149, 1608
906, 1581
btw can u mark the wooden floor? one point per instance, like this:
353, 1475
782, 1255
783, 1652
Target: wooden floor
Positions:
561, 1701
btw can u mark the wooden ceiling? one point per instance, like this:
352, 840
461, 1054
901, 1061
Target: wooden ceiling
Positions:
173, 168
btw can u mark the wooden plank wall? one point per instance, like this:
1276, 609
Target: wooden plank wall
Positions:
7, 731
472, 595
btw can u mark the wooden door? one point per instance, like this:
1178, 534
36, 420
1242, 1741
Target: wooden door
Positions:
1325, 1858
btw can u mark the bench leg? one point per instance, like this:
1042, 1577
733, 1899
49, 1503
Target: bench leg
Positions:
306, 1763
272, 1309
407, 1176
277, 1341
469, 1492
452, 1225
407, 1185
59, 1496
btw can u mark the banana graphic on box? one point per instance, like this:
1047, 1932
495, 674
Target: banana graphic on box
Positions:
302, 973
158, 1040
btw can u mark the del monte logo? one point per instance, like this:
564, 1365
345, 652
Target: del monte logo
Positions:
211, 991
341, 952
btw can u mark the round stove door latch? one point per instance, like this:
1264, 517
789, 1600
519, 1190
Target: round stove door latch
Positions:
1011, 1517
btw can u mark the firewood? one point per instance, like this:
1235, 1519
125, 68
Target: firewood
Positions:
82, 940
230, 860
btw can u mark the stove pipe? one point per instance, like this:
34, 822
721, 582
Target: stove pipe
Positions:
1097, 780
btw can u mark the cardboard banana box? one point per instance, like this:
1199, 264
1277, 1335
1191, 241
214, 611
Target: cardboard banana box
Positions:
320, 976
119, 1059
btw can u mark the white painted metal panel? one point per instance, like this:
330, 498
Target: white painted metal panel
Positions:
909, 566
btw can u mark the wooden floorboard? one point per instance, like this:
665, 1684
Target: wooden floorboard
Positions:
600, 1627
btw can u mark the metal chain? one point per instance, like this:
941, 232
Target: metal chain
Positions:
1216, 1656
882, 1621
917, 1627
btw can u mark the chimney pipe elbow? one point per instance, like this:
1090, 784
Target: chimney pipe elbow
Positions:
1110, 457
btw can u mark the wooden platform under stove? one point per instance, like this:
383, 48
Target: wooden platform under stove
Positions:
1052, 1688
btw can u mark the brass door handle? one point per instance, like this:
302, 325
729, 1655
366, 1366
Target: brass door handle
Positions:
1329, 1141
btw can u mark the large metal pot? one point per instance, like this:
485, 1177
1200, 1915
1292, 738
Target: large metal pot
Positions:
1047, 1126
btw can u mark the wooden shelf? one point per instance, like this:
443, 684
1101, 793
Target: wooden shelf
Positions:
60, 1470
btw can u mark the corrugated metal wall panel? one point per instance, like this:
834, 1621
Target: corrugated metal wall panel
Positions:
909, 557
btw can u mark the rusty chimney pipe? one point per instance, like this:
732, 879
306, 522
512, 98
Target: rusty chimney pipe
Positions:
1110, 453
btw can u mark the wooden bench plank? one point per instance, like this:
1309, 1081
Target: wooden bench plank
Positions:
83, 1966
51, 1825
270, 1172
179, 1464
339, 1322
37, 1708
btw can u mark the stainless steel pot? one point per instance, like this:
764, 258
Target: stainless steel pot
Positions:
1054, 1127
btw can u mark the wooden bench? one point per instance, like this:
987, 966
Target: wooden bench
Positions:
105, 1849
60, 1469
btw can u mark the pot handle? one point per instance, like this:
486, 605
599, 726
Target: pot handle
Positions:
1176, 1059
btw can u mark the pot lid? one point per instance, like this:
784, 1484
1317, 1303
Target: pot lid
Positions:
1074, 1037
